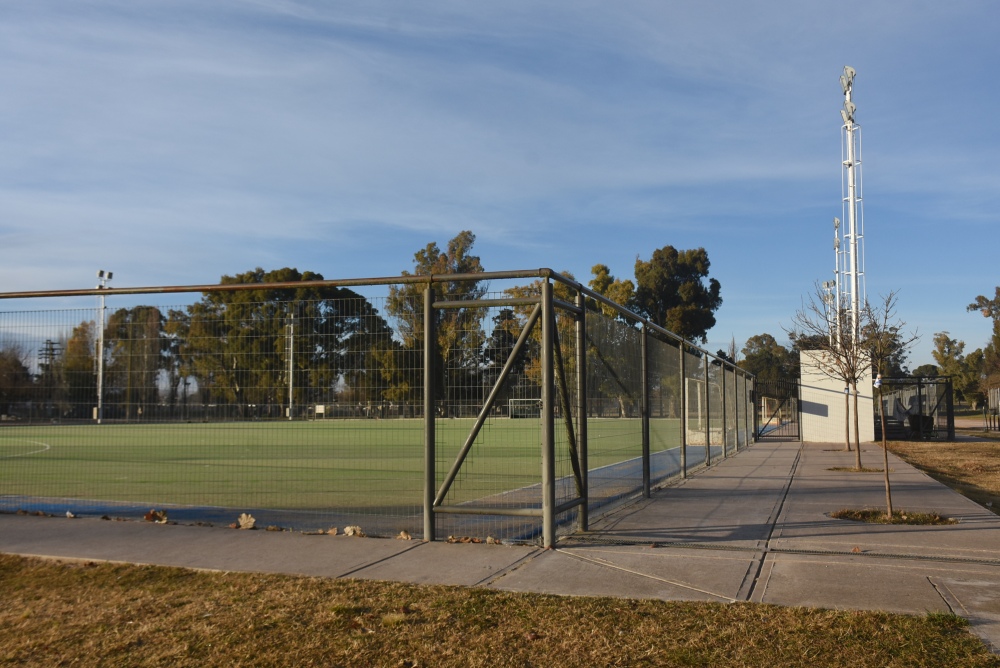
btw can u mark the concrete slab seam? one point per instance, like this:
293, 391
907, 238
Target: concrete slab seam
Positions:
601, 562
754, 572
790, 551
772, 519
347, 574
949, 598
493, 577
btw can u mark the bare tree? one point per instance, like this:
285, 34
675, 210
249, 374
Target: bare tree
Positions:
843, 355
884, 339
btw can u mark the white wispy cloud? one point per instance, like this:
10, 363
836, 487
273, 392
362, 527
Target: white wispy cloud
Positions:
181, 140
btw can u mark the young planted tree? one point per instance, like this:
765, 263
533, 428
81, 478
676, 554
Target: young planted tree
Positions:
885, 341
842, 353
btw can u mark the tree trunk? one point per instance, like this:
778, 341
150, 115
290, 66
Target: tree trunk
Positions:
847, 422
885, 457
857, 432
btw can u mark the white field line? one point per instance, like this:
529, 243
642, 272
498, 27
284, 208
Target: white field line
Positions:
45, 447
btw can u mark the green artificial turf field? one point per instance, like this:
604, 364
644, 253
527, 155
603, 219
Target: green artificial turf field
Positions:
350, 464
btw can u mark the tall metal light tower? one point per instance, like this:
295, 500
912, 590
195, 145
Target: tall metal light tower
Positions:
851, 261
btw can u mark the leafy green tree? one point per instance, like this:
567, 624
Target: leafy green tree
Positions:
802, 341
990, 369
768, 360
926, 371
179, 368
948, 353
622, 292
135, 344
499, 346
565, 326
971, 385
460, 335
78, 371
16, 385
672, 292
965, 370
237, 344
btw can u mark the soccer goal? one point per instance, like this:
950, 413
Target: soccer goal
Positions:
699, 408
524, 408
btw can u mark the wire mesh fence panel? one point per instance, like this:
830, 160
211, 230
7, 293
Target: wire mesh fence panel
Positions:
730, 379
614, 425
273, 407
716, 409
568, 455
305, 407
664, 410
742, 413
695, 410
499, 469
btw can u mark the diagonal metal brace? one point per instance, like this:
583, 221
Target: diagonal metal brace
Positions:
488, 405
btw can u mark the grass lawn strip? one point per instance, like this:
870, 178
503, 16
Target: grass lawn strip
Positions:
971, 468
58, 613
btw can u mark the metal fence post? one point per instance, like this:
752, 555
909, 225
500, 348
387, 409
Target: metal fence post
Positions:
725, 420
430, 477
645, 411
684, 412
581, 397
950, 407
708, 414
548, 419
736, 408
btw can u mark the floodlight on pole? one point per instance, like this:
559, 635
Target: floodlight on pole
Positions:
852, 266
837, 301
830, 306
291, 364
103, 277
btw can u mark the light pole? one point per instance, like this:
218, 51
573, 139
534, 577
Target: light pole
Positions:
830, 305
103, 277
291, 363
852, 199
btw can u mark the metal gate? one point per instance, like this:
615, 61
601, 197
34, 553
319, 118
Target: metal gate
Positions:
777, 413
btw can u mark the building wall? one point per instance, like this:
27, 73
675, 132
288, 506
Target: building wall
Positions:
822, 405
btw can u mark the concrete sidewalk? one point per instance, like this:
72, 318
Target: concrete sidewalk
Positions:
754, 527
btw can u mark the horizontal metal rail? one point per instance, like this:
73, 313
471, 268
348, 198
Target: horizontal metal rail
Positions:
410, 279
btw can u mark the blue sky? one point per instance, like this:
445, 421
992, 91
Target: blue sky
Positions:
174, 142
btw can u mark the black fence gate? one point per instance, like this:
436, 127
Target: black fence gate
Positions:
777, 416
918, 409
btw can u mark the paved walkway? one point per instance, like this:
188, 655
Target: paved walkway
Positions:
755, 527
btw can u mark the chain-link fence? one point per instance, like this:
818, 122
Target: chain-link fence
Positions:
432, 405
916, 408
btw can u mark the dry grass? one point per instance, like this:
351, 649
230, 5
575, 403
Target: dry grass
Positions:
60, 614
971, 468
